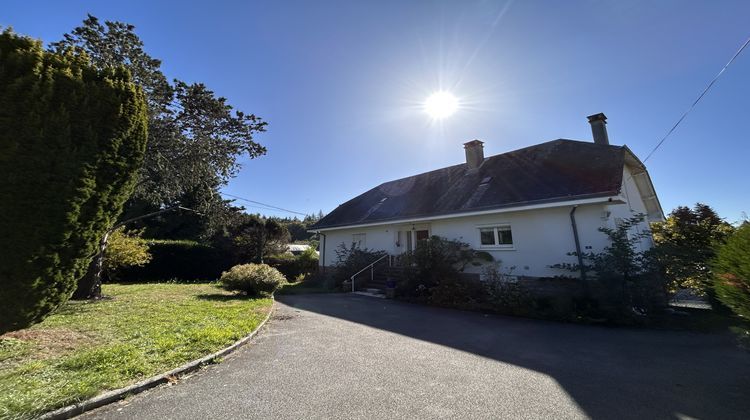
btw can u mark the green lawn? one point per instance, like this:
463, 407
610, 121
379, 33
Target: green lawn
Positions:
141, 330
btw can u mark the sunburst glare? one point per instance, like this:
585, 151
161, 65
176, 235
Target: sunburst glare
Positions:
441, 104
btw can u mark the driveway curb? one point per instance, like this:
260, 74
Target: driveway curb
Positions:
119, 394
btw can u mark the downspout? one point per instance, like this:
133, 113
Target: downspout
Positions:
578, 242
323, 251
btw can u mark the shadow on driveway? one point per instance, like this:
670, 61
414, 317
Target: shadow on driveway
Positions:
609, 372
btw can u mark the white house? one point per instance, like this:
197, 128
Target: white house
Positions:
528, 207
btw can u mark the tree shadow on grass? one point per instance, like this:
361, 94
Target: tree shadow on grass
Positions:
75, 307
222, 297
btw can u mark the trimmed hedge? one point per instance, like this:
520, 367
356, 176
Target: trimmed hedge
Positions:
72, 139
178, 260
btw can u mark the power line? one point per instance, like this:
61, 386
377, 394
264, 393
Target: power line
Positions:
268, 206
696, 101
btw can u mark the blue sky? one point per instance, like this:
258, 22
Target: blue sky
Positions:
341, 84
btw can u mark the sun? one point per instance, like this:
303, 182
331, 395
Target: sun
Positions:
440, 105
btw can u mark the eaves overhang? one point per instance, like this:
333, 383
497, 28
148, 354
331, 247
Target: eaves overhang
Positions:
613, 197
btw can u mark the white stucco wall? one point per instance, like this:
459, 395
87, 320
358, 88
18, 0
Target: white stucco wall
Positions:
634, 205
541, 237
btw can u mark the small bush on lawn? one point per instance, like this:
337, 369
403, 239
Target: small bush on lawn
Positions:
252, 279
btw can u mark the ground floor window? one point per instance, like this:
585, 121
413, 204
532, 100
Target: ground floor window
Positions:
496, 236
358, 240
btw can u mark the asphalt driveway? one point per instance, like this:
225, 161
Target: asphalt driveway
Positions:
346, 356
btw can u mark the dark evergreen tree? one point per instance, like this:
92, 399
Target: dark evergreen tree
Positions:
72, 139
732, 272
686, 243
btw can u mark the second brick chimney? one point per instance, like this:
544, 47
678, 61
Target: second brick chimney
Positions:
599, 128
474, 153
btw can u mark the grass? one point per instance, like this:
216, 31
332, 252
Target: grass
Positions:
141, 330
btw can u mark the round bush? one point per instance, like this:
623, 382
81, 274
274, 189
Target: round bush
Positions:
253, 279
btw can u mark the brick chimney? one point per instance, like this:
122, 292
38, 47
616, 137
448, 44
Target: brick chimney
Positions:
474, 153
599, 128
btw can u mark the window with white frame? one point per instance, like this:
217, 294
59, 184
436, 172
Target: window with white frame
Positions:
358, 240
496, 236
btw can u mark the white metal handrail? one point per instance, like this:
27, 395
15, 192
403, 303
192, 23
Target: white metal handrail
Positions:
372, 270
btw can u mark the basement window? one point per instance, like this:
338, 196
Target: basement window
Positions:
496, 237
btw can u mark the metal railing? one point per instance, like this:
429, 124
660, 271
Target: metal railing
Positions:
372, 270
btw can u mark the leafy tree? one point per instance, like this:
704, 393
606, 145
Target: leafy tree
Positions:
72, 138
732, 272
297, 230
686, 243
251, 238
195, 137
125, 249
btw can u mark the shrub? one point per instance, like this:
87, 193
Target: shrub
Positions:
125, 249
349, 260
732, 272
295, 267
180, 260
71, 141
456, 291
433, 261
308, 261
505, 295
252, 279
285, 263
625, 282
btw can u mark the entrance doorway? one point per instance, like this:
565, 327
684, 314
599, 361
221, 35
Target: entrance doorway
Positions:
412, 237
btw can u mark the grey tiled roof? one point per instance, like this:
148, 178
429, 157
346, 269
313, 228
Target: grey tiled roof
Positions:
558, 170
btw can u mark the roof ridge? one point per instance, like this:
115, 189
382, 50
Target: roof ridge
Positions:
494, 156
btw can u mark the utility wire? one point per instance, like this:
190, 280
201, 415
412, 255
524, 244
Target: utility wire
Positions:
268, 206
697, 100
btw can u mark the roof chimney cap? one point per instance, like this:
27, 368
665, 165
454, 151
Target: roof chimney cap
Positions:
597, 117
599, 128
473, 143
474, 153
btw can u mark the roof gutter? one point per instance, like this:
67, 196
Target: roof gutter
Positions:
612, 199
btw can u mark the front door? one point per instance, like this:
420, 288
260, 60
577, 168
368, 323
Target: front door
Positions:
412, 237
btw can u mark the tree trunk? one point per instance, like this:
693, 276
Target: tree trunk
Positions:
90, 286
